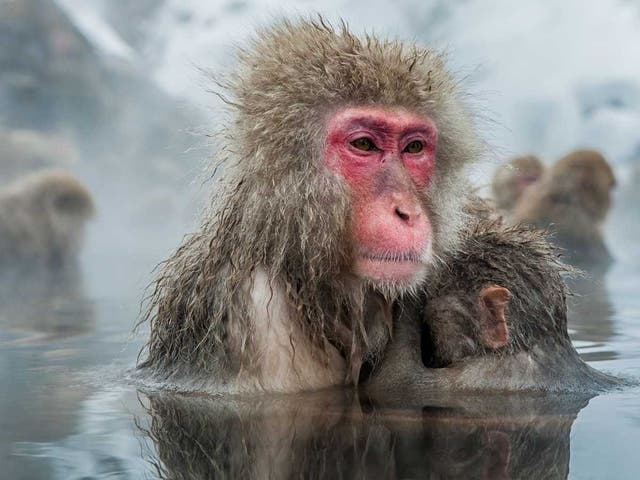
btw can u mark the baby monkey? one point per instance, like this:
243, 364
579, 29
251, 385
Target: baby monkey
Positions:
464, 323
494, 318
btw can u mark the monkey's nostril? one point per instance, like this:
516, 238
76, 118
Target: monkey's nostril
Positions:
404, 216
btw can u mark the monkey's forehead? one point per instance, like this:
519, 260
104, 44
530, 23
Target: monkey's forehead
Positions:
296, 74
308, 63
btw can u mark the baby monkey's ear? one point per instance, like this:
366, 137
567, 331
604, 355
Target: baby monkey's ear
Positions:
493, 303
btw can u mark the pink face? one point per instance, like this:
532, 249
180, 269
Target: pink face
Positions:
387, 157
526, 181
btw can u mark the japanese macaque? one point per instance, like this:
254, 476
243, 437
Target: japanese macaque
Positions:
342, 197
573, 200
512, 179
342, 181
494, 319
42, 218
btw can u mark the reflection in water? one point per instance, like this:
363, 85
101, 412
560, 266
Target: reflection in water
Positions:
590, 317
338, 435
41, 309
46, 304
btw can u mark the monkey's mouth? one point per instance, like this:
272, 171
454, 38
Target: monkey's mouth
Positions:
402, 267
392, 257
527, 180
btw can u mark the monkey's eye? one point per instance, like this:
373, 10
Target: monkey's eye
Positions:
365, 144
414, 147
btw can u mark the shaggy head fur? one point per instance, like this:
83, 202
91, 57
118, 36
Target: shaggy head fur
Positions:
279, 209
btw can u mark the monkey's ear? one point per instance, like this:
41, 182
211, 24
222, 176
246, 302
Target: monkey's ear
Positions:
493, 305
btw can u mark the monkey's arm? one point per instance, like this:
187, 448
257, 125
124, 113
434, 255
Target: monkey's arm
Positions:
401, 371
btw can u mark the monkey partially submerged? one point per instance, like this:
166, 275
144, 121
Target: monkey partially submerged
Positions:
342, 189
494, 319
512, 179
332, 192
42, 218
573, 199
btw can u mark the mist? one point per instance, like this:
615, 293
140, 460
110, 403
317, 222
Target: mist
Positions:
543, 77
122, 96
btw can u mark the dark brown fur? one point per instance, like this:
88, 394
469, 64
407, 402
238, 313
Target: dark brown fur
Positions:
573, 200
507, 185
278, 216
42, 218
539, 355
454, 329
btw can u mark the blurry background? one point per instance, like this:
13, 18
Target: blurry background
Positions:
116, 92
122, 86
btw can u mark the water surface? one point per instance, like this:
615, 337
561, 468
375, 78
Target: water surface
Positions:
67, 410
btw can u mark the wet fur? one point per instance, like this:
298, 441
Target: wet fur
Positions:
573, 200
279, 212
539, 355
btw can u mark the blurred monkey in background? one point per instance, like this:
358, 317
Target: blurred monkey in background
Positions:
511, 179
572, 200
42, 218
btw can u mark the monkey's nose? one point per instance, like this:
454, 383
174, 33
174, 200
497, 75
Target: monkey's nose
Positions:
403, 215
407, 215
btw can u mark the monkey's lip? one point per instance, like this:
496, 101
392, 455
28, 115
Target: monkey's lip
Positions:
396, 267
398, 257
